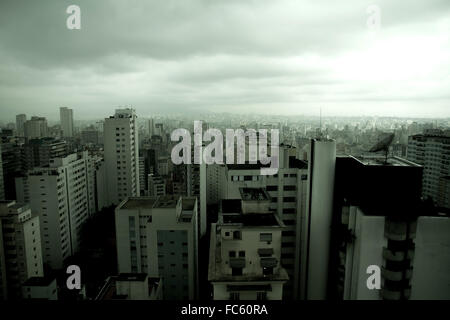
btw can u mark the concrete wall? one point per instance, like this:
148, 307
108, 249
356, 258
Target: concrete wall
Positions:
431, 265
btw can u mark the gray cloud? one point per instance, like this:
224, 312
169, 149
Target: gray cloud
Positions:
285, 56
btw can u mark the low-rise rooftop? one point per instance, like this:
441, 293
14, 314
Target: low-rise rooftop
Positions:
377, 160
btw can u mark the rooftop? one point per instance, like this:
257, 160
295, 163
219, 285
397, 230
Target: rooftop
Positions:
231, 213
138, 203
377, 160
247, 166
167, 201
38, 281
131, 277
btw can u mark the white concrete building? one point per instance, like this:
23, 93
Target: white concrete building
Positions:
245, 249
159, 237
40, 288
288, 200
60, 194
20, 248
131, 286
413, 256
316, 222
66, 120
121, 155
432, 151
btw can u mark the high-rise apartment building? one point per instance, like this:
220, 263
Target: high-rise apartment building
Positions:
159, 236
121, 155
20, 248
410, 251
38, 152
381, 221
36, 127
11, 167
245, 249
316, 223
61, 195
66, 118
151, 127
287, 190
432, 151
20, 125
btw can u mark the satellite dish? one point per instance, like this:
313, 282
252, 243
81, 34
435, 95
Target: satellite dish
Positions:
383, 145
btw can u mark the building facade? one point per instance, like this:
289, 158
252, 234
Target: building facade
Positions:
245, 249
62, 196
66, 118
159, 236
121, 155
20, 248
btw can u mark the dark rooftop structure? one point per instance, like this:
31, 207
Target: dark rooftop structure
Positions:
131, 277
231, 213
38, 281
369, 182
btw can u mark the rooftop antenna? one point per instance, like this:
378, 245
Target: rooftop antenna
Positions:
383, 145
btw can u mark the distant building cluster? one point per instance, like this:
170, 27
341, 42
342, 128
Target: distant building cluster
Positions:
226, 232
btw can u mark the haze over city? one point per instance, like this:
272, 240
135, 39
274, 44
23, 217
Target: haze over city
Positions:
259, 57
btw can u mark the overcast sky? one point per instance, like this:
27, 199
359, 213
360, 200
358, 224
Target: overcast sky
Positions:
266, 56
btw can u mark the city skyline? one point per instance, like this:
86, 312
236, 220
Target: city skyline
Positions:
200, 154
288, 58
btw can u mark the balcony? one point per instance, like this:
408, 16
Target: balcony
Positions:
269, 262
388, 294
397, 230
395, 275
396, 255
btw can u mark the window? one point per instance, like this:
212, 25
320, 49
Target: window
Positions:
265, 237
267, 271
289, 199
234, 295
237, 235
232, 254
236, 271
261, 296
242, 254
